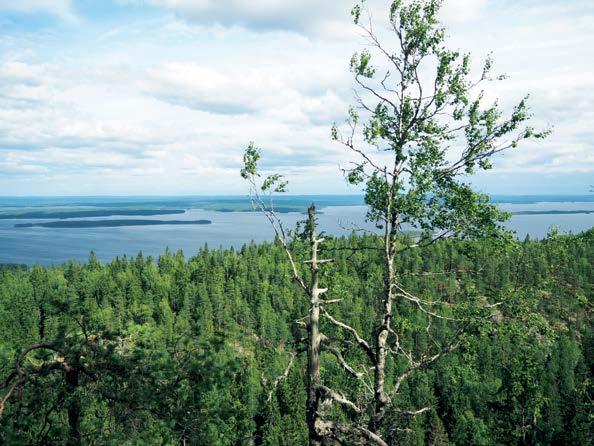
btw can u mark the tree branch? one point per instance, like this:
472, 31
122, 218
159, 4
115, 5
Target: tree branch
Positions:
360, 341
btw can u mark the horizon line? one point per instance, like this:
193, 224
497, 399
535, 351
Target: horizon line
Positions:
278, 195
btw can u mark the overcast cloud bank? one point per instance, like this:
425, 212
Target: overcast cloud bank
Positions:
161, 96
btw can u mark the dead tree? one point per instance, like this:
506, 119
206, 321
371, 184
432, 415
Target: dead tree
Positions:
320, 397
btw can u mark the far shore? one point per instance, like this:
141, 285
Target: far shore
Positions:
109, 223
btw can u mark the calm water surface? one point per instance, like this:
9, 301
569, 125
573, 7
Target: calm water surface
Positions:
53, 246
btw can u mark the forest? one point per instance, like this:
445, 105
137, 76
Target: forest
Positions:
438, 327
180, 350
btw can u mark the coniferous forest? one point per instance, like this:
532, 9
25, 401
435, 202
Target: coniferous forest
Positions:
195, 350
437, 327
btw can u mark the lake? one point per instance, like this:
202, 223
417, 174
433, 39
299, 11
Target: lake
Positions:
30, 245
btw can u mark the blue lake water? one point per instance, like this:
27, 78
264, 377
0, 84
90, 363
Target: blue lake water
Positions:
56, 245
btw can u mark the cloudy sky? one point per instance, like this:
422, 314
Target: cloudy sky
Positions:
161, 96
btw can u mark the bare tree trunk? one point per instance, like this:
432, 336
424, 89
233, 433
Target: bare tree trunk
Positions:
313, 347
381, 351
320, 398
381, 399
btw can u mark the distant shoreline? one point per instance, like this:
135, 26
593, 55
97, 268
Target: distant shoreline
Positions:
227, 202
109, 223
554, 212
89, 213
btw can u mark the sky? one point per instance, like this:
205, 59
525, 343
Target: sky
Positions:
161, 97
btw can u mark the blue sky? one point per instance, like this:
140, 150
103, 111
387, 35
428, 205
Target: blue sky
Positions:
161, 96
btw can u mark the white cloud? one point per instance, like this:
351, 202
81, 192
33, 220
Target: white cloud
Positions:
310, 17
287, 93
328, 18
293, 15
460, 11
163, 122
59, 8
543, 47
176, 101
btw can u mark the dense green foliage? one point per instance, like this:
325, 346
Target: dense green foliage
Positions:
186, 351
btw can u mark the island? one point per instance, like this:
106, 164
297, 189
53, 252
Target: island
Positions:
109, 223
555, 212
89, 213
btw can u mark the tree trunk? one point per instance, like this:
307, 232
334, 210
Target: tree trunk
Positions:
381, 352
72, 381
313, 348
41, 322
381, 349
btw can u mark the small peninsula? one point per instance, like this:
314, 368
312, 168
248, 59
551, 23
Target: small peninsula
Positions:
109, 223
61, 214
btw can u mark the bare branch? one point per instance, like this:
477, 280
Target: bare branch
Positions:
339, 398
339, 356
413, 413
278, 228
364, 345
442, 273
344, 433
281, 377
426, 361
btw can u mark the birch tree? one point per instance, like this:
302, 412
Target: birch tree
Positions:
421, 126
